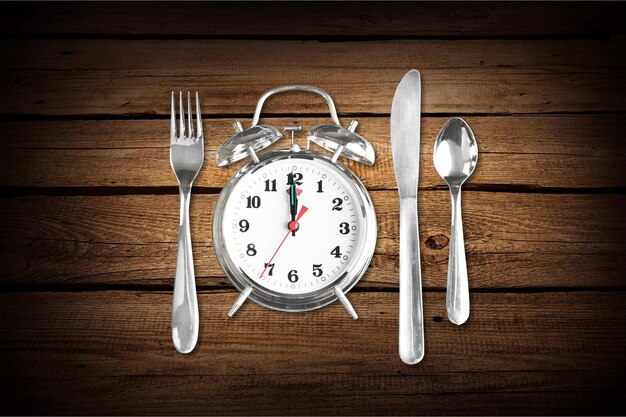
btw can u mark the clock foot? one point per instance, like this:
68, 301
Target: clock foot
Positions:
346, 303
240, 300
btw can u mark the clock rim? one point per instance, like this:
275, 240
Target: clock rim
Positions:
306, 301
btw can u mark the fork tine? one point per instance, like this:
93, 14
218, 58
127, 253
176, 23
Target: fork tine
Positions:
181, 133
198, 117
189, 117
173, 124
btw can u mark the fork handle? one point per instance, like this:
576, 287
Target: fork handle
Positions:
185, 317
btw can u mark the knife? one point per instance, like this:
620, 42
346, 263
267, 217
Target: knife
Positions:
405, 150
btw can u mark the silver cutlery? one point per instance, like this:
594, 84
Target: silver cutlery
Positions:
455, 157
186, 156
405, 146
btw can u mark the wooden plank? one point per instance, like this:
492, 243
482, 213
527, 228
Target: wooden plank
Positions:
531, 151
451, 19
105, 77
111, 353
512, 240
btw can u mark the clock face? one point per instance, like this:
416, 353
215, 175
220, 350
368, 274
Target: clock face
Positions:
296, 225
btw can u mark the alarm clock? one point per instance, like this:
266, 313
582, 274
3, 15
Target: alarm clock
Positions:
294, 229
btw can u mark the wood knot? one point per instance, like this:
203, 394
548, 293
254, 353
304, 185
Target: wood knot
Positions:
437, 242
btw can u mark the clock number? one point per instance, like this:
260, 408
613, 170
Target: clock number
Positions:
254, 202
251, 251
270, 185
317, 270
336, 252
337, 204
319, 186
295, 178
344, 228
270, 268
244, 225
292, 276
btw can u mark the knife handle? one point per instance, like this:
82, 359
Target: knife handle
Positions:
411, 342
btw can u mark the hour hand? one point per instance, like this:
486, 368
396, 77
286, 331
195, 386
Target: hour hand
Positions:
293, 199
293, 205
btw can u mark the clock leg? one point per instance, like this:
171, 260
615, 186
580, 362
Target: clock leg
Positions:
240, 300
346, 303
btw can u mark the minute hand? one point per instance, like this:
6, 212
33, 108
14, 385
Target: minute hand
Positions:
293, 199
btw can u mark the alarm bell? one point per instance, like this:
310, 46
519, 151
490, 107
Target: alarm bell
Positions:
344, 142
246, 143
332, 137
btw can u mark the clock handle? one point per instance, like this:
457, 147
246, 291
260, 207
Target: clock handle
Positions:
296, 87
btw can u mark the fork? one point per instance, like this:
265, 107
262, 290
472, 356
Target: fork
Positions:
186, 156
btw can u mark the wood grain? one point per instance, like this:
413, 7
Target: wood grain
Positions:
530, 151
110, 353
89, 210
118, 77
452, 19
512, 240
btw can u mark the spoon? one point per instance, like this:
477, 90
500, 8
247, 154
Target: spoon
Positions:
455, 156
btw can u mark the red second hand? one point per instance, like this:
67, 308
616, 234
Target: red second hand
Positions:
303, 210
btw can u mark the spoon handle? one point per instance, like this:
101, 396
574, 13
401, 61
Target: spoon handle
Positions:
457, 296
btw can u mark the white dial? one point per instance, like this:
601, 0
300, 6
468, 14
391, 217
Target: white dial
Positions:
294, 226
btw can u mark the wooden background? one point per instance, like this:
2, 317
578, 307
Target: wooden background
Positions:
90, 208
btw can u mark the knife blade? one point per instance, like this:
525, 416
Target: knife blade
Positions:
405, 150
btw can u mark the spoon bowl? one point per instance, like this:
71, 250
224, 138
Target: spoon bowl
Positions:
456, 152
455, 157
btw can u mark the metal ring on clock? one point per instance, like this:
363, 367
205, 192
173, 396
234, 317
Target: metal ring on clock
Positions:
308, 301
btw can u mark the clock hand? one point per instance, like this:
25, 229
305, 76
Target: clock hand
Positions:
293, 202
292, 226
293, 199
